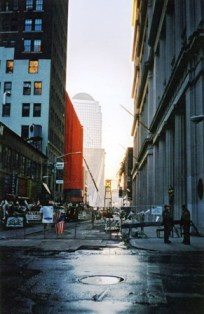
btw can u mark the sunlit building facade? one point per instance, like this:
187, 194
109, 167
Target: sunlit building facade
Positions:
90, 115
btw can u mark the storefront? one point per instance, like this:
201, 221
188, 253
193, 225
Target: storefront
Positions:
22, 166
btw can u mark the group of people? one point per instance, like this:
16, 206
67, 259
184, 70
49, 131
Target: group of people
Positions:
51, 215
185, 222
12, 207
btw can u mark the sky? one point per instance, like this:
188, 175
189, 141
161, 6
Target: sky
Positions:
99, 63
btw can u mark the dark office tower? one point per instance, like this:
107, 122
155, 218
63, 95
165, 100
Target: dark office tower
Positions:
33, 50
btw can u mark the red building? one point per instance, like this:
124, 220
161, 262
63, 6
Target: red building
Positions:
73, 161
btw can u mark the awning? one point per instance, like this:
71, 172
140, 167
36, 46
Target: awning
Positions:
46, 187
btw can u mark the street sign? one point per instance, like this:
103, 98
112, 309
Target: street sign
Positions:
59, 165
59, 181
157, 210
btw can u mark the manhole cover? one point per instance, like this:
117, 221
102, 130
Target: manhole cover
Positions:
101, 280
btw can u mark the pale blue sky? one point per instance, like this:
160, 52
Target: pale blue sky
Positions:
100, 39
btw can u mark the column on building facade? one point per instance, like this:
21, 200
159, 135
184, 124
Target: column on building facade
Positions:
199, 96
155, 171
162, 167
179, 164
150, 159
159, 171
199, 177
143, 186
137, 181
135, 173
195, 162
169, 177
139, 188
150, 177
177, 30
150, 94
191, 163
134, 190
170, 39
135, 187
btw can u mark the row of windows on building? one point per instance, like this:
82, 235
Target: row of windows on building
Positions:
33, 66
13, 25
27, 87
33, 25
56, 140
32, 45
11, 160
26, 110
10, 5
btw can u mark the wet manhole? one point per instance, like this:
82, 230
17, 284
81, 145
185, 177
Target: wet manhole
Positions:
101, 280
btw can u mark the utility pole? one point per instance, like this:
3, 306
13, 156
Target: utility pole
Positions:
60, 166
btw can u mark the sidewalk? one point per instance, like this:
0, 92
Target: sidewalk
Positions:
153, 243
35, 238
149, 241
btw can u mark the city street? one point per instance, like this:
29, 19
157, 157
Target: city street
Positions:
101, 157
109, 278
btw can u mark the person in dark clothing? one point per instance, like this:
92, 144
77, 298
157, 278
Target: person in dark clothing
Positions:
167, 222
142, 219
185, 223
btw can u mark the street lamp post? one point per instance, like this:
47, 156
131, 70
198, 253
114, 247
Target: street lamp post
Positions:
60, 165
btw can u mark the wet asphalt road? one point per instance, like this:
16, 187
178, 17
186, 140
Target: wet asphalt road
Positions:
34, 281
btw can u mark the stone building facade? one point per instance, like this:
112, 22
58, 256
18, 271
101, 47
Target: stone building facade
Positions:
168, 52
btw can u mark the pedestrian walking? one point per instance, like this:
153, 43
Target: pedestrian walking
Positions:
185, 223
167, 222
59, 221
56, 217
142, 219
47, 215
93, 217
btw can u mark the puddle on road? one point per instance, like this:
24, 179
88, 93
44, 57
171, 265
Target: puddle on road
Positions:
101, 280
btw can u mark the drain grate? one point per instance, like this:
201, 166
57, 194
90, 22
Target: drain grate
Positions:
101, 280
